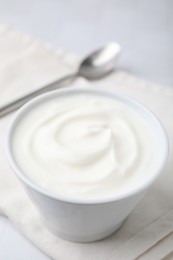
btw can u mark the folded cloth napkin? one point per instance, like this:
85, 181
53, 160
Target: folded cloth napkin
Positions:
27, 64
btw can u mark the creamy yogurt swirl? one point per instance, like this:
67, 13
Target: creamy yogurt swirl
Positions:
83, 145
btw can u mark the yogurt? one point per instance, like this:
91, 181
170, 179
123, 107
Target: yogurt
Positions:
84, 145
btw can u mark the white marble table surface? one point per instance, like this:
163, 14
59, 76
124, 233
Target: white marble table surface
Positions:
143, 27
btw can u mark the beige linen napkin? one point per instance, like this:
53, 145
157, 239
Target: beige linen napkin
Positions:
26, 64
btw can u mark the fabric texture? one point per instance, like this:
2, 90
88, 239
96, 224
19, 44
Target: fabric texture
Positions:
27, 64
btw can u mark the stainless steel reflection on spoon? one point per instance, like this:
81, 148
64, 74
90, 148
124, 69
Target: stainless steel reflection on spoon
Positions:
98, 64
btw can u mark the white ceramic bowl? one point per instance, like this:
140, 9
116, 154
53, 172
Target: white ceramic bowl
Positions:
86, 220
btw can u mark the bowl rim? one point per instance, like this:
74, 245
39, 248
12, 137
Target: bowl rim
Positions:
94, 90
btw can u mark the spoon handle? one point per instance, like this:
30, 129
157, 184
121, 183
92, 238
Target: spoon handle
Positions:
14, 105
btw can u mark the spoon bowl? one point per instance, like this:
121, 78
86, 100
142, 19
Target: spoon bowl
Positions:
100, 62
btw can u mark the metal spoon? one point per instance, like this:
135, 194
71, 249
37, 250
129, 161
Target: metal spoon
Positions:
98, 64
